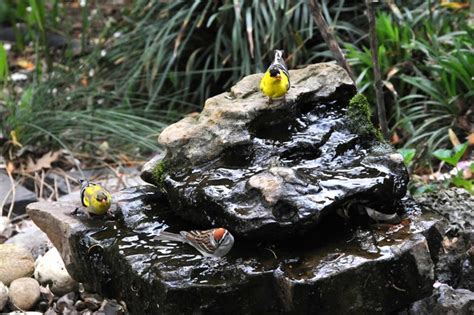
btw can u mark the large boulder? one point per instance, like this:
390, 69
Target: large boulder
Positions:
339, 269
269, 171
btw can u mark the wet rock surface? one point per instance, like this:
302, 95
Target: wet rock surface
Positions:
274, 171
445, 300
339, 270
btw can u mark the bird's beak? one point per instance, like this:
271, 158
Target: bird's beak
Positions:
278, 77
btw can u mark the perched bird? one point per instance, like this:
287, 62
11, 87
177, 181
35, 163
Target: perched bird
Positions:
210, 243
94, 198
276, 80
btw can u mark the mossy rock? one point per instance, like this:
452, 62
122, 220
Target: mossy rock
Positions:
359, 114
159, 173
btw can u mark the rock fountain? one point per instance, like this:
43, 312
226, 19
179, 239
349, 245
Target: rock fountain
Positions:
297, 183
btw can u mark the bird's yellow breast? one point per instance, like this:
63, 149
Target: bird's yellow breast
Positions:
273, 87
92, 204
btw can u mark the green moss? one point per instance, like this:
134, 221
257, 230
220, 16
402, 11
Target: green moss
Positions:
159, 173
359, 117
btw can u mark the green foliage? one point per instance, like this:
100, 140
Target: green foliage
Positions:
160, 61
204, 48
3, 64
159, 173
359, 117
452, 157
68, 123
408, 155
427, 65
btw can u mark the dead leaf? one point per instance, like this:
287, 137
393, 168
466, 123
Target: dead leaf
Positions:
10, 167
453, 138
470, 139
454, 5
390, 87
47, 294
395, 138
43, 162
392, 72
25, 64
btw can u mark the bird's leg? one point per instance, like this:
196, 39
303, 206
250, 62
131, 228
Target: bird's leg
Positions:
270, 100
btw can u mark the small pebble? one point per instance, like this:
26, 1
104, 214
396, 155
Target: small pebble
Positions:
24, 293
92, 303
80, 306
43, 306
15, 262
3, 295
66, 303
50, 269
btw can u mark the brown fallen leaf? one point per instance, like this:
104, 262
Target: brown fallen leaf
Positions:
454, 5
470, 139
43, 162
25, 64
453, 138
395, 138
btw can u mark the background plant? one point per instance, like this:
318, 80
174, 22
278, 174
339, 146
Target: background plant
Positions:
155, 61
160, 61
426, 57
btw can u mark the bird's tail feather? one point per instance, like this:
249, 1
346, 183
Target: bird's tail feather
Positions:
168, 236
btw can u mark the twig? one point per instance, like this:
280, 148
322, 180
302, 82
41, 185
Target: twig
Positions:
397, 288
67, 184
271, 251
13, 189
119, 177
4, 201
329, 37
19, 218
41, 184
56, 188
377, 76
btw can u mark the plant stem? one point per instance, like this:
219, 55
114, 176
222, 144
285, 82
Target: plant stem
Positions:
377, 76
329, 37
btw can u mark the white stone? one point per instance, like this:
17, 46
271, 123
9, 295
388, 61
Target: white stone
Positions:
3, 295
50, 269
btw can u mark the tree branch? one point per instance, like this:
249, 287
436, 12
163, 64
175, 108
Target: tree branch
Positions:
382, 116
329, 37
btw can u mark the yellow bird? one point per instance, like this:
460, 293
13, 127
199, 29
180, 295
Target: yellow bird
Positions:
94, 198
276, 80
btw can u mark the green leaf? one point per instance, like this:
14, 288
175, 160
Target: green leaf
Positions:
424, 189
458, 181
3, 64
459, 151
444, 155
408, 155
451, 157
